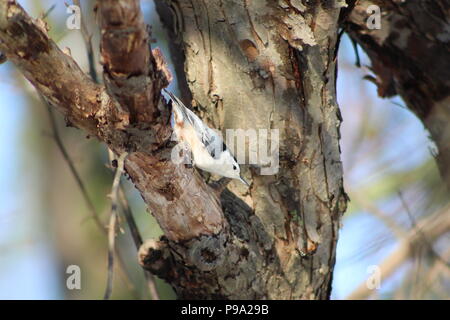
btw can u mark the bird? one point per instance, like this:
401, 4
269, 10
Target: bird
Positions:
209, 152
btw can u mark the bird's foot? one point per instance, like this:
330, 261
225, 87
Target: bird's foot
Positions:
220, 185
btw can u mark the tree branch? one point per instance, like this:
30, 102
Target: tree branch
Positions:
65, 154
131, 72
112, 223
87, 37
53, 73
279, 240
274, 69
165, 186
137, 239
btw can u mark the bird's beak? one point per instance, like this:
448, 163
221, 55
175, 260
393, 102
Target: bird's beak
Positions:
243, 181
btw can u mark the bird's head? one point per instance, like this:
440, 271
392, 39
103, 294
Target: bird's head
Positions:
231, 168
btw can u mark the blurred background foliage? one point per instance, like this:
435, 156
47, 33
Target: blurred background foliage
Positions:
46, 225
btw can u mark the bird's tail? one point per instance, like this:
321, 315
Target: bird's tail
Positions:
178, 107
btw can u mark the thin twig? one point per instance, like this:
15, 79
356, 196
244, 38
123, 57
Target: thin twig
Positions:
399, 105
137, 239
135, 234
433, 226
383, 217
150, 279
430, 279
111, 248
87, 199
73, 170
112, 224
355, 48
47, 13
125, 275
87, 36
420, 232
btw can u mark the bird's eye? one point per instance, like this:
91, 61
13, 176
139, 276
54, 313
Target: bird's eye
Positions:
234, 167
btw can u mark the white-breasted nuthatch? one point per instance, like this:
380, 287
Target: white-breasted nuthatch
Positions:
208, 150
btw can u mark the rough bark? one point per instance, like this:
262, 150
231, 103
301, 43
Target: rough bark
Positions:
194, 210
410, 57
269, 65
131, 73
260, 65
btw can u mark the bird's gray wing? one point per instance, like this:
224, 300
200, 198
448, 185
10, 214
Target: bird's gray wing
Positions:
179, 105
204, 133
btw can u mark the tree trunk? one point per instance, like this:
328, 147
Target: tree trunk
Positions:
262, 65
257, 65
244, 65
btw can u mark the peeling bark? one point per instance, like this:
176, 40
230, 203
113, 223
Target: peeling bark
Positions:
130, 70
269, 65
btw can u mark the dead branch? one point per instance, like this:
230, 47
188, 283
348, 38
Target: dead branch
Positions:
87, 37
112, 223
165, 186
131, 72
137, 239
